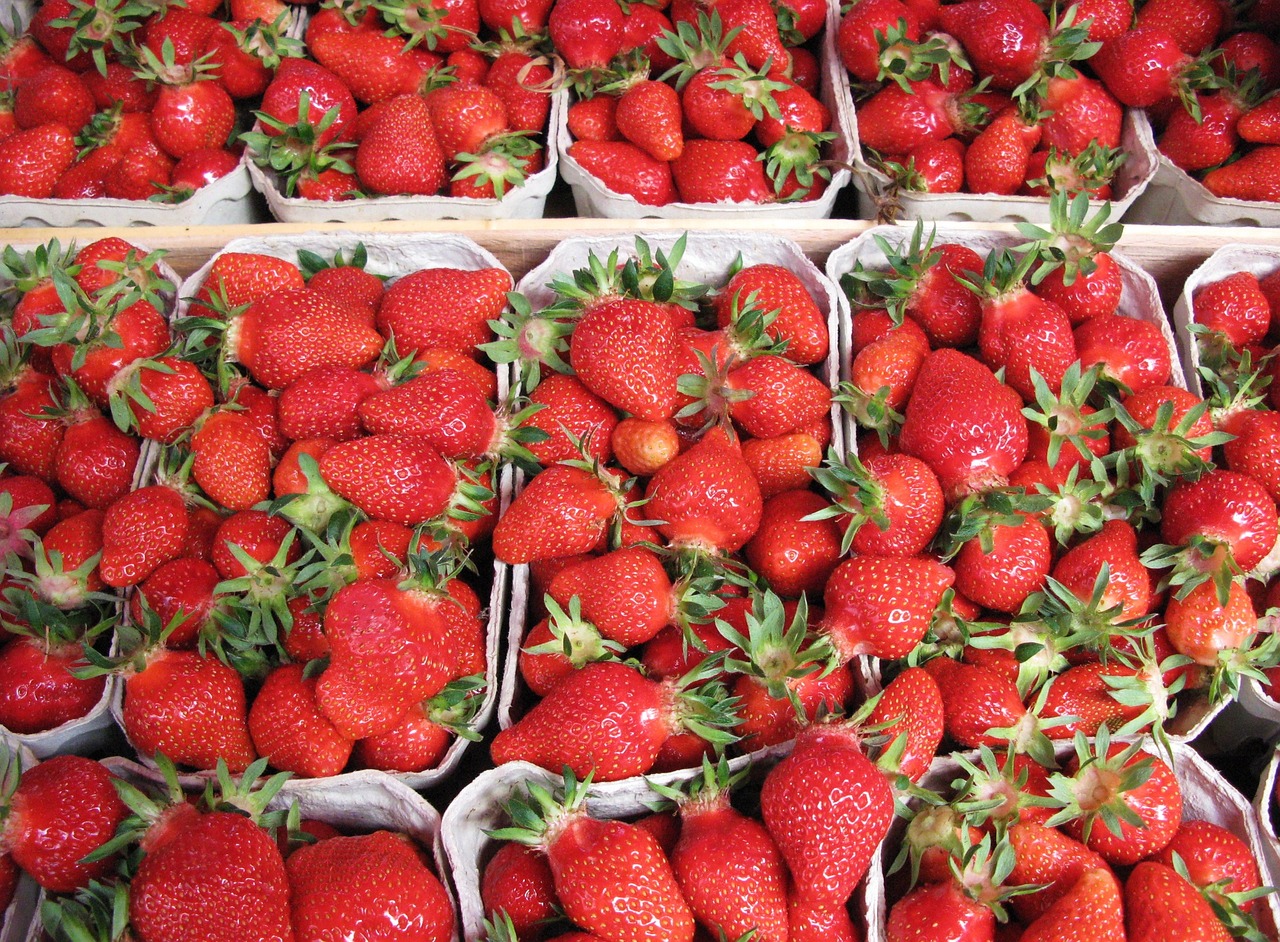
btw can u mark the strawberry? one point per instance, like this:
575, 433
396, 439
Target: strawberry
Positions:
1202, 626
237, 279
624, 352
643, 447
1253, 451
266, 337
938, 430
1207, 139
1049, 858
387, 886
720, 172
648, 115
910, 707
236, 860
856, 42
586, 33
282, 100
620, 165
1211, 854
1142, 66
782, 463
140, 532
56, 814
626, 594
1252, 177
1083, 113
95, 461
1005, 564
720, 854
794, 553
232, 461
1261, 123
374, 66
570, 409
426, 732
827, 807
998, 160
1194, 24
720, 517
517, 881
939, 907
399, 153
892, 505
1159, 902
179, 591
1234, 306
565, 727
191, 112
810, 923
564, 510
53, 95
611, 877
518, 80
594, 119
32, 160
159, 398
443, 307
189, 707
798, 322
1222, 513
1106, 778
882, 606
39, 666
1091, 909
287, 726
394, 477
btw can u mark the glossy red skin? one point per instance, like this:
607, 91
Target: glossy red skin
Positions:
827, 807
1144, 405
948, 311
1158, 802
939, 911
561, 512
587, 33
325, 91
568, 726
794, 554
1234, 305
1003, 38
720, 172
1255, 450
141, 332
518, 881
730, 871
975, 700
1013, 569
1047, 856
1194, 24
95, 462
180, 589
708, 497
894, 121
882, 605
912, 705
625, 168
1200, 628
1140, 66
37, 690
287, 725
191, 708
856, 40
966, 456
1159, 903
1129, 582
63, 810
614, 879
768, 721
809, 923
1212, 853
1227, 507
1087, 296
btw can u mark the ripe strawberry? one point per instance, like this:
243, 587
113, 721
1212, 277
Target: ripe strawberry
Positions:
519, 80
1222, 512
1005, 564
827, 807
728, 867
38, 668
60, 812
179, 591
570, 409
648, 115
232, 461
882, 606
720, 172
794, 553
939, 431
707, 498
594, 119
611, 877
783, 463
565, 728
325, 403
140, 532
624, 352
517, 881
95, 461
911, 707
386, 886
798, 322
1208, 139
1095, 783
1142, 66
443, 307
265, 337
892, 505
1202, 627
53, 95
1158, 902
643, 447
626, 594
32, 160
1253, 451
998, 160
399, 152
237, 862
1046, 857
896, 120
399, 478
1090, 909
586, 33
939, 907
1194, 24
856, 41
621, 166
287, 726
189, 707
1252, 177
159, 398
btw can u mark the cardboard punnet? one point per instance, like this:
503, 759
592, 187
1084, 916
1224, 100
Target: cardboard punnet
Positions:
594, 199
394, 255
707, 258
227, 201
523, 202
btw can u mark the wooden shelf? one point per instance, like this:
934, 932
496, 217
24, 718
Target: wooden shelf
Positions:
1169, 253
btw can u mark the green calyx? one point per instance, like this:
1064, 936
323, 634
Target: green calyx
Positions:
576, 639
1073, 238
903, 60
1095, 793
695, 47
532, 339
778, 651
539, 816
857, 498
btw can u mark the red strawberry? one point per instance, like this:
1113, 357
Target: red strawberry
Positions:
443, 307
95, 461
32, 160
232, 461
648, 115
586, 33
882, 606
939, 907
965, 456
325, 403
141, 532
621, 166
624, 352
892, 504
1142, 66
287, 726
179, 591
827, 807
61, 811
517, 881
1252, 177
1160, 903
40, 690
1090, 909
386, 886
799, 322
400, 478
1049, 858
720, 172
611, 877
399, 152
794, 553
911, 706
1234, 306
569, 408
1004, 39
562, 511
707, 497
1005, 565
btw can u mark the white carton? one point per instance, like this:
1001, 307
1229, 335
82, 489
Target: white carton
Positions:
1206, 796
224, 202
523, 202
707, 258
1263, 802
1175, 198
594, 199
876, 199
1236, 257
395, 255
479, 808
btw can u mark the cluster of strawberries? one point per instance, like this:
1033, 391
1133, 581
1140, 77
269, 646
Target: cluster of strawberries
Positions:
118, 857
407, 99
697, 103
127, 101
84, 349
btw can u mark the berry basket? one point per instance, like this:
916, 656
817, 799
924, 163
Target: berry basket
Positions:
227, 201
391, 255
707, 257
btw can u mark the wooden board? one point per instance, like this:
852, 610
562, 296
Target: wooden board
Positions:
1170, 253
